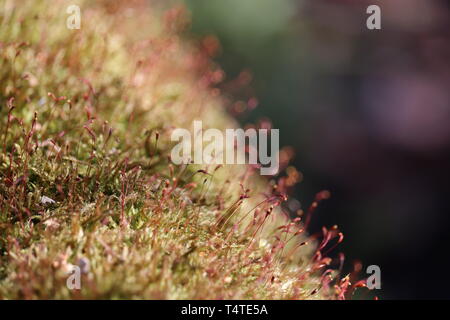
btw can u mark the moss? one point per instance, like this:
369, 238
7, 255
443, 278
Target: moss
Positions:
85, 121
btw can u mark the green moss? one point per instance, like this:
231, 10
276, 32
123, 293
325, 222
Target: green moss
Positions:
79, 114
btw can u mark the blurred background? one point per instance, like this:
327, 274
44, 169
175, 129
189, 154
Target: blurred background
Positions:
367, 112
